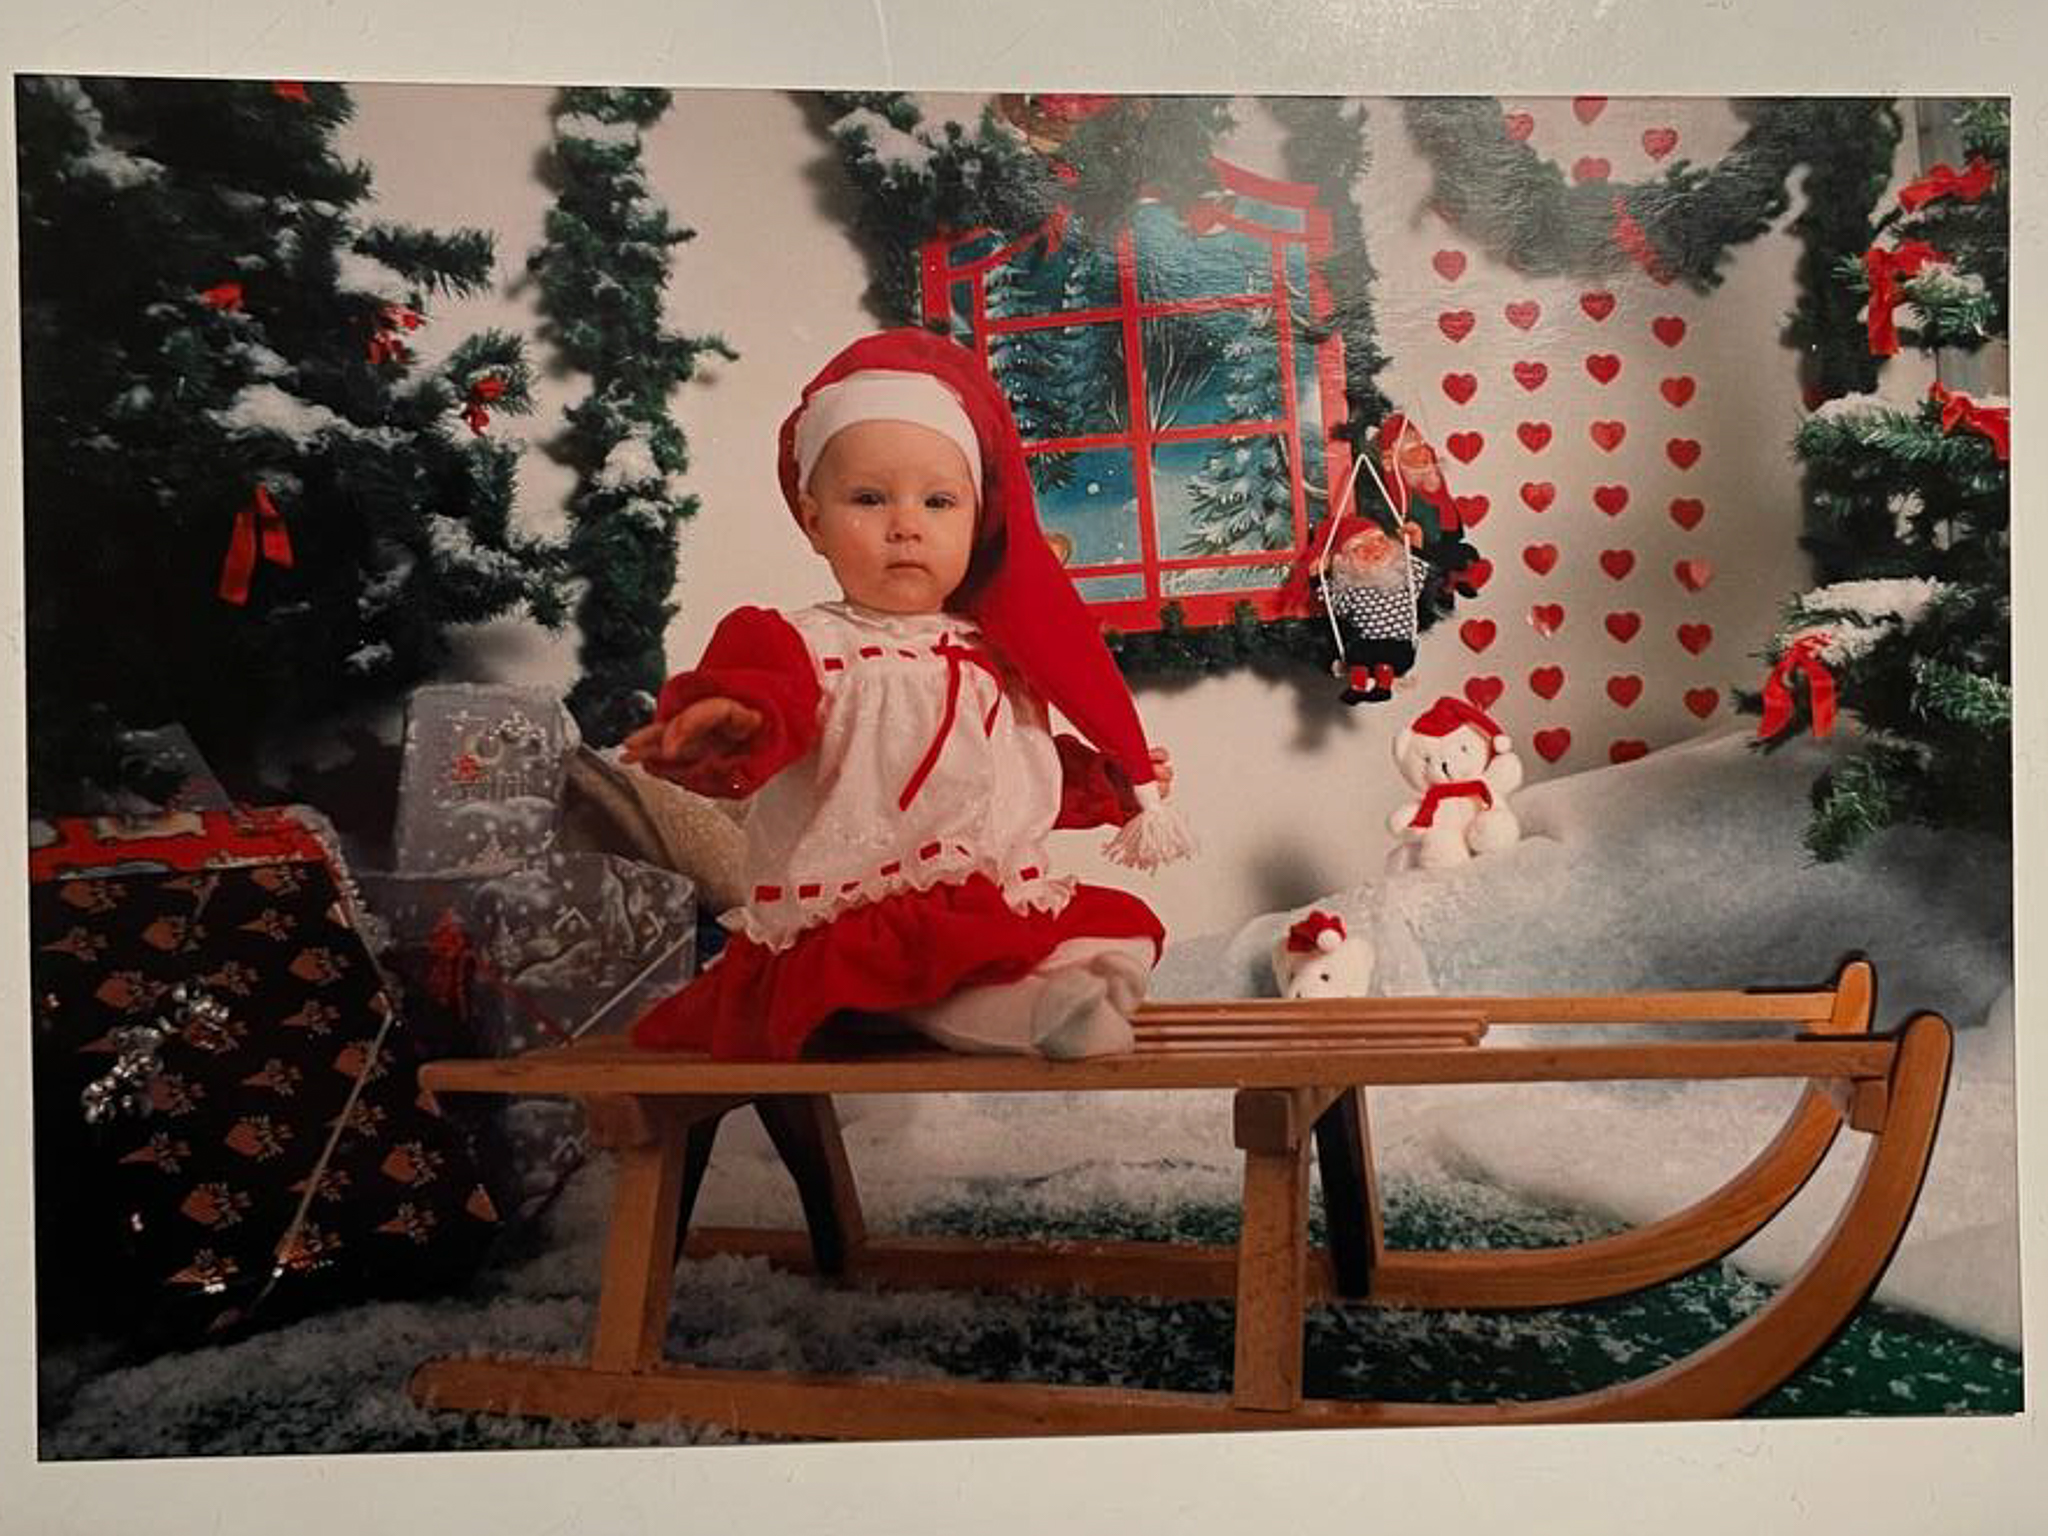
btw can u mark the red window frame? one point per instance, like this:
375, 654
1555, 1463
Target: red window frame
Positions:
939, 277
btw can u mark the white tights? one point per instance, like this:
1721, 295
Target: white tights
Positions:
1076, 1003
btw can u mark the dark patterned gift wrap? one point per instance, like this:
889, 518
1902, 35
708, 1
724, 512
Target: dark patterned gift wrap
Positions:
228, 1123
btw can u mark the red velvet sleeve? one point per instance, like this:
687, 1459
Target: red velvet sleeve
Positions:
755, 658
1094, 792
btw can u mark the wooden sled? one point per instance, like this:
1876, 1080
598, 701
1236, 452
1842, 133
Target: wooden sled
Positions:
1297, 1071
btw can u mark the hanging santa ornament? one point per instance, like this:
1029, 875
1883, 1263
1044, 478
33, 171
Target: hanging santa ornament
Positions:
259, 532
482, 393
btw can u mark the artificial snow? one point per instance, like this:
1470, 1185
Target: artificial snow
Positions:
355, 272
1855, 408
581, 125
890, 145
119, 169
267, 408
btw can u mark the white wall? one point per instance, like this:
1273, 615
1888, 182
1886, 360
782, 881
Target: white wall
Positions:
1288, 789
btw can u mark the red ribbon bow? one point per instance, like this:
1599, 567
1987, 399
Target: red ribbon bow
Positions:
955, 656
226, 297
259, 530
1993, 421
1884, 268
455, 967
481, 394
1459, 789
290, 90
1801, 656
1302, 937
385, 345
1945, 181
1632, 238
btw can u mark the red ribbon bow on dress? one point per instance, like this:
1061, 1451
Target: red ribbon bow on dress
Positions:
1944, 180
1302, 937
1884, 268
481, 394
1802, 656
1993, 421
259, 529
956, 655
1458, 789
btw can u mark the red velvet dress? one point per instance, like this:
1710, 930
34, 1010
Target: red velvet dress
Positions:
903, 784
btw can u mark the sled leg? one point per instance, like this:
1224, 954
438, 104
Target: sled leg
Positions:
1351, 1195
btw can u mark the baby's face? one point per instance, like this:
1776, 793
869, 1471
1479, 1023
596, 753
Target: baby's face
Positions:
891, 508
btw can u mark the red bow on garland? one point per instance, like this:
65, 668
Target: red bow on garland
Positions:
1884, 269
1632, 238
1993, 421
226, 297
481, 394
385, 345
1945, 181
1802, 656
290, 90
259, 529
1302, 937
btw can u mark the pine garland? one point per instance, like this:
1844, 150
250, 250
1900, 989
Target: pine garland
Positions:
602, 272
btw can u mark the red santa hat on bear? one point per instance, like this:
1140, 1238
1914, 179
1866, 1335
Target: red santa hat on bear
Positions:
1451, 713
1015, 587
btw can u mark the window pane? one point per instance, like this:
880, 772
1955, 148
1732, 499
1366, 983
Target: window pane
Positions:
1109, 589
1175, 265
1212, 369
1034, 281
1229, 578
1225, 495
1315, 426
1062, 381
960, 312
1090, 501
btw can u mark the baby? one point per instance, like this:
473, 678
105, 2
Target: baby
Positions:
898, 748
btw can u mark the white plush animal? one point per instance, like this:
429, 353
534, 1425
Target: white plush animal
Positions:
1316, 958
1465, 768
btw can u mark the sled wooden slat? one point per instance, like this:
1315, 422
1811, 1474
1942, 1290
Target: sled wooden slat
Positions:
1299, 1071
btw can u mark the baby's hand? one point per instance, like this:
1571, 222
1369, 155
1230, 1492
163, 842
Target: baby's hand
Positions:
1162, 771
698, 747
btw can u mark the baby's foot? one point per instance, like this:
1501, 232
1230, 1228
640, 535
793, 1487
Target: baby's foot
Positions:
1126, 978
1072, 1017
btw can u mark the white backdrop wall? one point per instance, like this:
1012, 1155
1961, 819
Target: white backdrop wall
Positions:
1288, 789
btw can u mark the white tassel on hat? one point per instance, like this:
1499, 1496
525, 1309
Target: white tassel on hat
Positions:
1157, 835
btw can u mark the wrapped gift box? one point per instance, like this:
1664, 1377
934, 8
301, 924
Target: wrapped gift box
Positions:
260, 1146
480, 778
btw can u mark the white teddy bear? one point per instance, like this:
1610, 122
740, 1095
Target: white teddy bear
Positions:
1315, 958
1464, 766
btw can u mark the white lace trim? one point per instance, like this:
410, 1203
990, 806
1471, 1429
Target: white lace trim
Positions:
777, 922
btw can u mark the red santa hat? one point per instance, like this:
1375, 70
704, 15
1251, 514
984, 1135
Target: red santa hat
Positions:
1015, 588
1451, 713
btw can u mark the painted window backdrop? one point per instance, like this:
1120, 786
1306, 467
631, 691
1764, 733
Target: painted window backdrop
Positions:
1175, 420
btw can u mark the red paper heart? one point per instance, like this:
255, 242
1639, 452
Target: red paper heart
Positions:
1668, 329
1598, 304
1591, 168
1538, 494
1553, 743
1546, 682
1695, 637
1461, 387
1617, 563
1610, 498
1659, 142
1450, 265
1625, 688
1531, 374
1623, 625
1484, 692
1586, 108
1523, 313
1687, 511
1477, 633
1535, 435
1702, 701
1603, 366
1627, 751
1678, 389
1540, 558
1520, 125
1607, 434
1472, 510
1693, 575
1456, 323
1465, 446
1547, 618
1684, 452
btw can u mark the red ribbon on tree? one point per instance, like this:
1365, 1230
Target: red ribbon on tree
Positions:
1632, 238
1944, 180
1884, 268
385, 345
259, 530
226, 297
290, 90
481, 394
1801, 656
1959, 410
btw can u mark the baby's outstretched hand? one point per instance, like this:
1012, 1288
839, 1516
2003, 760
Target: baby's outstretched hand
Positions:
698, 747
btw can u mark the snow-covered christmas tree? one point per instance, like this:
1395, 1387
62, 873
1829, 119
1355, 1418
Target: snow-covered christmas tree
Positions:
247, 504
1909, 512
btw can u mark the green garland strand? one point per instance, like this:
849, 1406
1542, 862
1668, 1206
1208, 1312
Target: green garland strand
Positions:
602, 272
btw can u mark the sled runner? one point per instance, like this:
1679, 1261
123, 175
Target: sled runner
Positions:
1297, 1071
